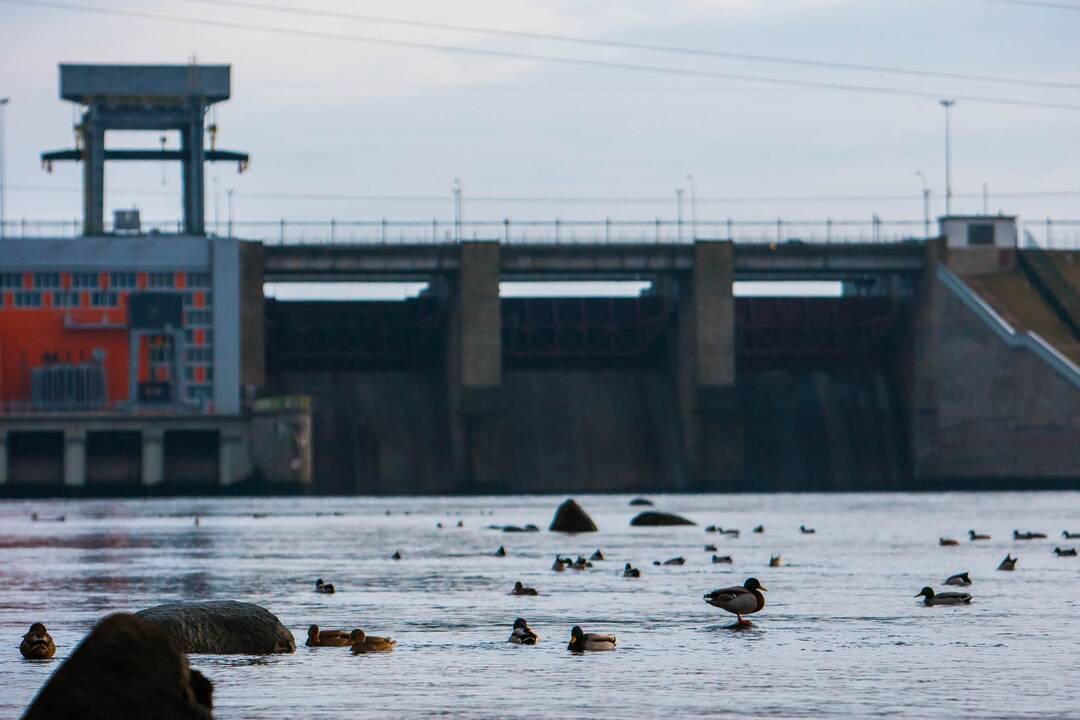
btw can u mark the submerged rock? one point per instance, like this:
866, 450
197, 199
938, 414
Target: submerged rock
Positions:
571, 518
221, 628
126, 667
654, 518
641, 501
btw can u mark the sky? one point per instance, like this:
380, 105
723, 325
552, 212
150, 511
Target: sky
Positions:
342, 125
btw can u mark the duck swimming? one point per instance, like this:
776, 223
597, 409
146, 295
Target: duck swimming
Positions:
710, 548
37, 643
775, 561
948, 542
559, 565
520, 589
522, 634
739, 600
931, 598
597, 555
1071, 552
722, 559
501, 552
396, 555
1017, 535
973, 536
1009, 563
581, 563
580, 641
759, 529
728, 531
672, 561
363, 643
326, 638
630, 571
324, 588
806, 531
958, 579
1070, 536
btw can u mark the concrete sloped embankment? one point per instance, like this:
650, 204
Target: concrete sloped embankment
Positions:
221, 628
125, 668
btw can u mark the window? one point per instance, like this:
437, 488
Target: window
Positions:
199, 392
10, 280
46, 280
189, 299
189, 373
160, 280
103, 298
84, 280
122, 279
199, 355
198, 317
27, 299
198, 279
65, 299
980, 234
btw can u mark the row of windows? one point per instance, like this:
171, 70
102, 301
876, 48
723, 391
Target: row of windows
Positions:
189, 373
102, 298
189, 337
90, 280
27, 299
197, 317
200, 354
200, 392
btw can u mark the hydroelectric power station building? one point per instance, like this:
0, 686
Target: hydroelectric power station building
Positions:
135, 361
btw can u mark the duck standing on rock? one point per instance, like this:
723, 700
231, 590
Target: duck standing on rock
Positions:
324, 588
739, 600
930, 598
522, 634
363, 643
326, 638
580, 641
37, 643
520, 589
958, 579
630, 571
1009, 563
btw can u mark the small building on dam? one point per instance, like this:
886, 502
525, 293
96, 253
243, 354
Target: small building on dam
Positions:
149, 361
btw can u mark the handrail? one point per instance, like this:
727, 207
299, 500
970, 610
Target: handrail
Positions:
1029, 341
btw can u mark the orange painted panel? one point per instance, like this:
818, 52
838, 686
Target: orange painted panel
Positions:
103, 280
200, 336
200, 299
65, 281
181, 280
200, 374
140, 280
144, 359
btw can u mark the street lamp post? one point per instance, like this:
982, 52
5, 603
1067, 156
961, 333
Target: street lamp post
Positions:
693, 206
947, 104
457, 210
925, 204
678, 206
3, 162
229, 195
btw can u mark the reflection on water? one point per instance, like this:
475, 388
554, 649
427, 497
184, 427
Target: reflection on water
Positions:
841, 634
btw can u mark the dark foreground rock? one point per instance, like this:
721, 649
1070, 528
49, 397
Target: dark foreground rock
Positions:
640, 501
654, 518
125, 668
221, 628
571, 518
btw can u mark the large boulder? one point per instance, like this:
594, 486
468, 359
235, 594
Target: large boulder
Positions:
223, 627
655, 518
571, 518
125, 668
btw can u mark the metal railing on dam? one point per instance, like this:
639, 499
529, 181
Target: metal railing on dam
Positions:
1048, 234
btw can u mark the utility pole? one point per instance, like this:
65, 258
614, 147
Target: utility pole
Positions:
947, 104
678, 206
457, 210
3, 160
229, 194
693, 207
925, 204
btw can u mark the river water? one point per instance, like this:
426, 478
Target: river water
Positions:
841, 634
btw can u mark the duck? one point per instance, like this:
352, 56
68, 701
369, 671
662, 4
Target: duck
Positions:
438, 526
1009, 563
775, 561
37, 643
522, 634
323, 587
396, 555
501, 552
1070, 552
931, 598
559, 565
710, 528
597, 555
363, 643
729, 531
520, 589
630, 572
672, 561
973, 536
722, 559
739, 600
806, 531
759, 529
710, 548
1070, 536
948, 542
1017, 535
461, 523
958, 579
580, 641
327, 638
581, 563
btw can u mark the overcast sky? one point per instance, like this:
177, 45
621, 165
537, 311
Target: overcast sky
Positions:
341, 117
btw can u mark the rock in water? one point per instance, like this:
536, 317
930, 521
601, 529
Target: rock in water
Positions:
641, 501
221, 628
653, 518
126, 667
571, 518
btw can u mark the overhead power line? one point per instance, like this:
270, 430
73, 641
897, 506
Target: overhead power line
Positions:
554, 59
630, 45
